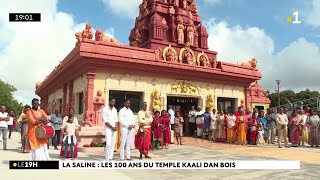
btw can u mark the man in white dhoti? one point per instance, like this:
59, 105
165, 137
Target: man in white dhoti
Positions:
127, 122
36, 117
109, 116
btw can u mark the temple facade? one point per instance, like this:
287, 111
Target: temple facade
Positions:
168, 62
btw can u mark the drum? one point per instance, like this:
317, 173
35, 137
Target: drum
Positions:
43, 132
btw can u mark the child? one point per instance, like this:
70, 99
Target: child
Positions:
231, 134
261, 140
178, 128
69, 131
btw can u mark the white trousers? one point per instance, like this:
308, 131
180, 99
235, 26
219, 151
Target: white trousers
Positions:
125, 142
110, 143
40, 154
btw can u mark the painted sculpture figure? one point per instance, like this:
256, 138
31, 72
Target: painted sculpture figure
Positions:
89, 119
171, 56
180, 30
213, 62
210, 101
156, 101
98, 103
176, 3
190, 33
87, 33
135, 38
188, 57
251, 64
204, 61
100, 36
184, 4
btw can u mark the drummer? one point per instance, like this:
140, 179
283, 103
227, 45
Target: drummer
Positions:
37, 116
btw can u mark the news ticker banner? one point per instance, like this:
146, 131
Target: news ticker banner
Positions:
154, 165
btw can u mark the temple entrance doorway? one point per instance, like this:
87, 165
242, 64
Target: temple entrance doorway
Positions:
183, 105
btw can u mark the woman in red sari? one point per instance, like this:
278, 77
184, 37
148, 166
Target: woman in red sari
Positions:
156, 128
294, 129
254, 125
75, 152
165, 127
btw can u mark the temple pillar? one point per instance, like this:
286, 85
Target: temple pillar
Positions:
44, 103
247, 97
70, 94
89, 109
64, 100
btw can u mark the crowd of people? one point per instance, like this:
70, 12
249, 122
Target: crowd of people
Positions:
32, 118
300, 127
157, 130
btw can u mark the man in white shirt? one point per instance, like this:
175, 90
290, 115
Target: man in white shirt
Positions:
192, 121
171, 114
282, 122
109, 116
126, 119
4, 118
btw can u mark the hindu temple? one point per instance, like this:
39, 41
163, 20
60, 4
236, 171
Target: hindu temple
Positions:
168, 62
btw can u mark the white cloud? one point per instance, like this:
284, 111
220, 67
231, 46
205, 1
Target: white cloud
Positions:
313, 14
30, 51
295, 65
123, 8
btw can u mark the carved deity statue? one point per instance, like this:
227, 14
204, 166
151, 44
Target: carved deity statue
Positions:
184, 87
210, 101
89, 119
184, 4
87, 33
171, 56
180, 30
79, 38
193, 6
143, 6
213, 62
204, 61
156, 103
100, 36
157, 54
136, 38
98, 103
188, 57
190, 33
176, 3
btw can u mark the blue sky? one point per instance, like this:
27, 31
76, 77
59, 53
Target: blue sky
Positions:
239, 30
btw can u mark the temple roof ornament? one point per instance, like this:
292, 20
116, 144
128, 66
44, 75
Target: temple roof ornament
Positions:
250, 64
87, 34
257, 94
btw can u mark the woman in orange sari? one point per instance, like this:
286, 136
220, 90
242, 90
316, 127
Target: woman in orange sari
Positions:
242, 127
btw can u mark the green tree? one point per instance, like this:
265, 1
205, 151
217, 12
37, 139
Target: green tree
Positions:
309, 98
7, 99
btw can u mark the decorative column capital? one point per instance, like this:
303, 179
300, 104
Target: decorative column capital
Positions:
91, 75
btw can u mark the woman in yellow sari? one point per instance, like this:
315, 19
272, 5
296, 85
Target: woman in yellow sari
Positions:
241, 128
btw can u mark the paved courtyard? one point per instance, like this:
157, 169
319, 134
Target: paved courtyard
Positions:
194, 149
